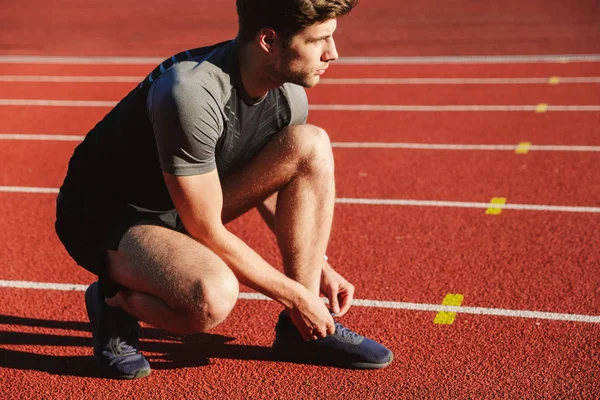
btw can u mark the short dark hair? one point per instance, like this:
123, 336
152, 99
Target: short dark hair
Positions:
286, 17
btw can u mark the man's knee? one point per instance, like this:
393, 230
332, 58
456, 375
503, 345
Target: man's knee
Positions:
312, 148
211, 300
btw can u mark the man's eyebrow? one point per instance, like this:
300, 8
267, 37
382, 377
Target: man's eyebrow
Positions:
325, 36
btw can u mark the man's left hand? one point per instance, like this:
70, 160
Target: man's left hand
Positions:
338, 290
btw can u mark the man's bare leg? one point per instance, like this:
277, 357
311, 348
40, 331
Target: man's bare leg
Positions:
302, 160
173, 282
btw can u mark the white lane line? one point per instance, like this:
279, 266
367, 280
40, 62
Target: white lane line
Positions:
327, 81
57, 103
362, 145
455, 81
546, 58
386, 202
516, 59
394, 305
24, 136
27, 189
447, 108
10, 59
326, 107
465, 204
445, 146
71, 79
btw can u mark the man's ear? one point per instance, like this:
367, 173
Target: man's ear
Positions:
267, 37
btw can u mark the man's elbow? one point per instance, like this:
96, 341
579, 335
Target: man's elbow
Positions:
212, 235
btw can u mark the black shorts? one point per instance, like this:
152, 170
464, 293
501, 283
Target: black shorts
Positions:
88, 228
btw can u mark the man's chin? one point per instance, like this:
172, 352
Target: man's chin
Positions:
308, 83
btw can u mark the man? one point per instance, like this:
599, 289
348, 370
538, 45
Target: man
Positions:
208, 135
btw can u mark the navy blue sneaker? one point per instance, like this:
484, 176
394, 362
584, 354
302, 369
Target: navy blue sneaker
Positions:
116, 338
344, 349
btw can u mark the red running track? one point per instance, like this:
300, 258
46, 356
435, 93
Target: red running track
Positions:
517, 260
559, 178
338, 70
569, 128
523, 260
47, 346
375, 28
567, 94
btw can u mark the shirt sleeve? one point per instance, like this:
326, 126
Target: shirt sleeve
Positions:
298, 101
187, 124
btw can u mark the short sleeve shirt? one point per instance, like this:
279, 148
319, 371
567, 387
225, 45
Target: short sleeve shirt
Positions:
189, 116
203, 119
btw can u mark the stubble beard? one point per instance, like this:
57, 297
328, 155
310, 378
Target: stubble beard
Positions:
301, 78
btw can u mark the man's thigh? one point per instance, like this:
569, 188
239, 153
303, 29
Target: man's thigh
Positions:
90, 231
286, 154
168, 264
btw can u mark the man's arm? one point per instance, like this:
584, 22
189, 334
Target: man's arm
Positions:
199, 202
338, 290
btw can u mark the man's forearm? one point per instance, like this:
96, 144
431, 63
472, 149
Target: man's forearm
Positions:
252, 270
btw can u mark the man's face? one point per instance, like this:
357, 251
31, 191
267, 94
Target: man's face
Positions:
308, 54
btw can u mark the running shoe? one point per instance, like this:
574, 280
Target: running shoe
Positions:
344, 349
116, 338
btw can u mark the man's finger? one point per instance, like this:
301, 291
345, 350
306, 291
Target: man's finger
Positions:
306, 333
345, 305
346, 300
331, 327
333, 301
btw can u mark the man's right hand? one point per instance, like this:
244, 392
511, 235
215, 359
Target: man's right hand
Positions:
312, 317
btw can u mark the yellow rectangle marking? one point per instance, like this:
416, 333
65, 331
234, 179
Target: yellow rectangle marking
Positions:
541, 108
445, 317
496, 210
554, 80
523, 148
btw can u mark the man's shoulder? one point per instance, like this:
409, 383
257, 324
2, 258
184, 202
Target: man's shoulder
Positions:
205, 71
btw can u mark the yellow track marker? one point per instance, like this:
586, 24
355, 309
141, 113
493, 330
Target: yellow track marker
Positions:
554, 80
523, 148
496, 210
445, 317
541, 108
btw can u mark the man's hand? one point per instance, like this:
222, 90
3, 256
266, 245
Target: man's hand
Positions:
338, 290
312, 318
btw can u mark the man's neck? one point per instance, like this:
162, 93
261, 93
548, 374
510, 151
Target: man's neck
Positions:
257, 74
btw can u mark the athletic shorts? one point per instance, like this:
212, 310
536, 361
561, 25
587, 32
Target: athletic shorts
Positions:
88, 229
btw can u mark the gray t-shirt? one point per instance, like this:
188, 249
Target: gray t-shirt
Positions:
203, 118
189, 116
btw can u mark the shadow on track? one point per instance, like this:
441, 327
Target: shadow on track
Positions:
162, 349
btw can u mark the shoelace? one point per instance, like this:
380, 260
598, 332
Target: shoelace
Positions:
126, 337
121, 348
345, 332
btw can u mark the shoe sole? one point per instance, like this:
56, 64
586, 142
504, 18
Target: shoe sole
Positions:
294, 358
109, 373
360, 365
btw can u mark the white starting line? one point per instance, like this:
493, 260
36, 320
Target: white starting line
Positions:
356, 145
394, 305
388, 202
327, 81
332, 107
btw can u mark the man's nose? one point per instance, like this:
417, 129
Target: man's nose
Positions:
330, 53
